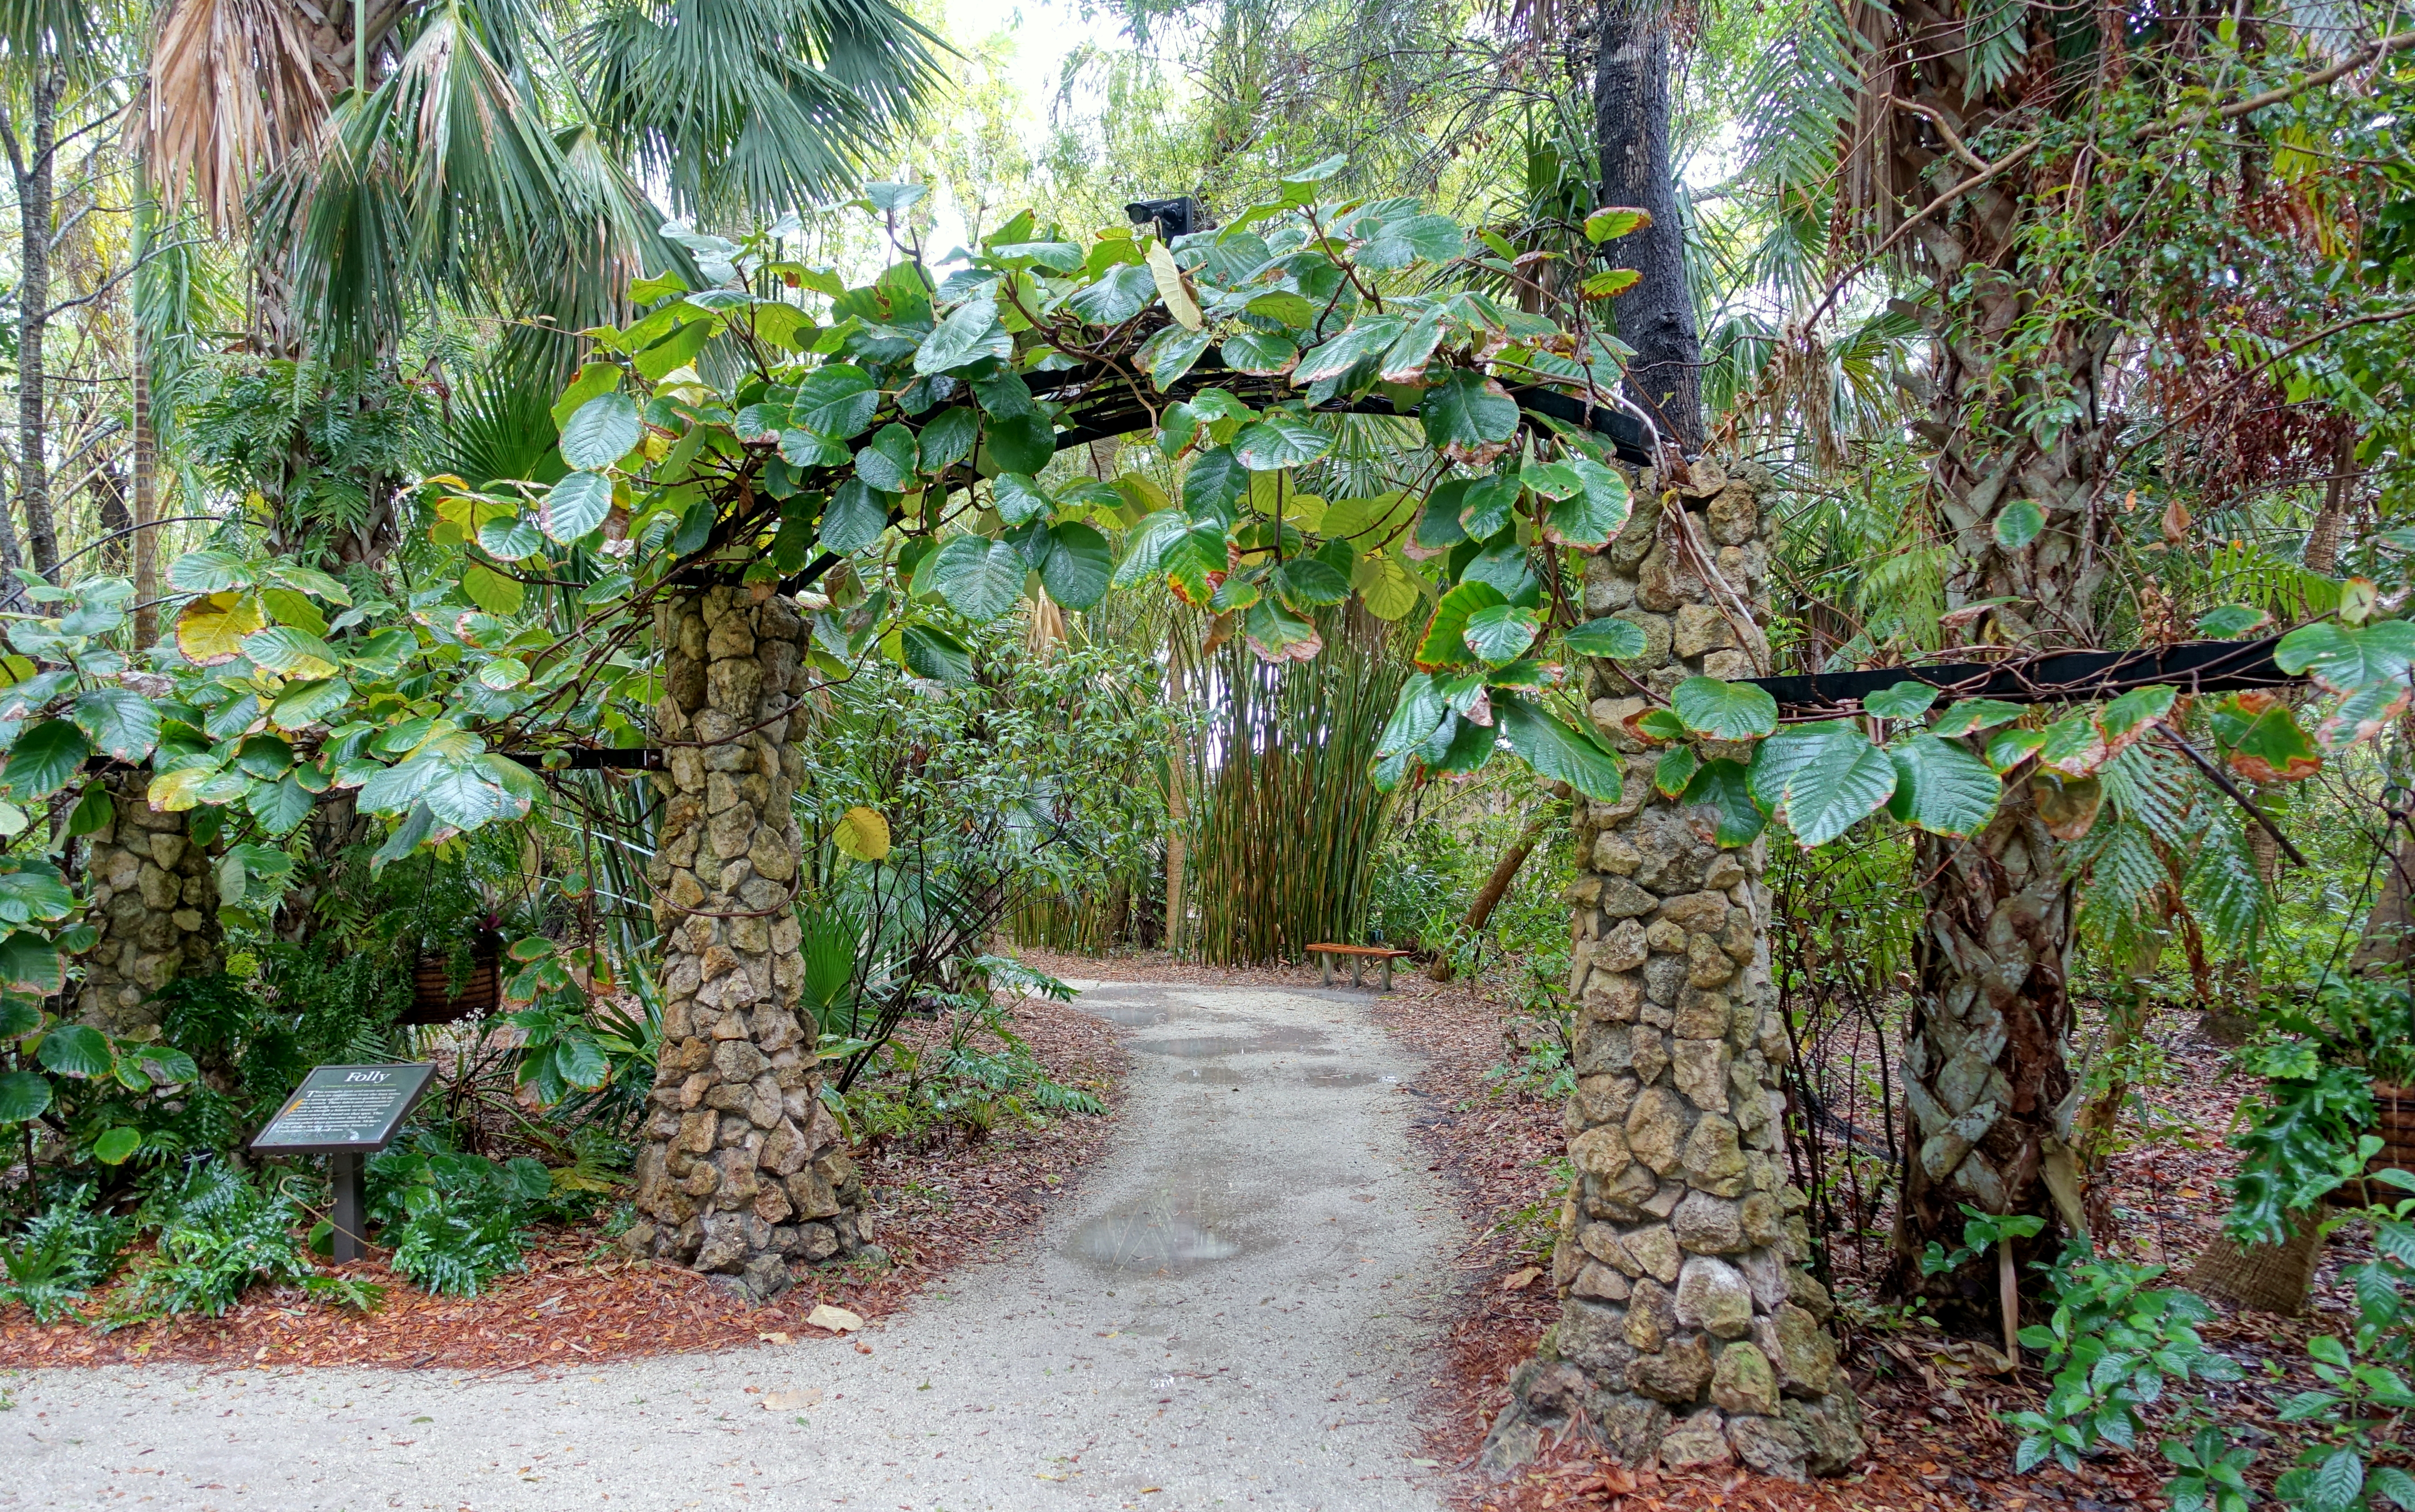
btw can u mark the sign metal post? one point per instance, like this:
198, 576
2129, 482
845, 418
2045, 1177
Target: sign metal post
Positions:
345, 1112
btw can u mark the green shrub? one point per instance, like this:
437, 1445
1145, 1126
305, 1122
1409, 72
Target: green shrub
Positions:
455, 1220
220, 1234
61, 1254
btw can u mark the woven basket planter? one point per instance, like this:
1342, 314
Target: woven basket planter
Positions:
433, 999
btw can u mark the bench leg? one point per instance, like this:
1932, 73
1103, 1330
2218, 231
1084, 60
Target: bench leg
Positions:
1355, 982
1324, 969
1388, 973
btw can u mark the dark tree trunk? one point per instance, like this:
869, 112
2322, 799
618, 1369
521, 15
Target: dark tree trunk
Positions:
33, 182
1654, 316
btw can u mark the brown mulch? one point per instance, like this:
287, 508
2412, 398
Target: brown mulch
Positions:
937, 1204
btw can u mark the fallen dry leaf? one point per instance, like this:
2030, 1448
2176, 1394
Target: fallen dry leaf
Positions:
1518, 1279
775, 1337
789, 1401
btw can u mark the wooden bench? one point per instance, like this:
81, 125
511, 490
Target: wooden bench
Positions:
1357, 953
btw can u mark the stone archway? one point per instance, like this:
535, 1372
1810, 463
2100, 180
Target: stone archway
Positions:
1692, 1333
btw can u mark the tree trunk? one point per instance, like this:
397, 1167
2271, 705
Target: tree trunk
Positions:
1656, 315
744, 1169
1177, 804
1985, 1072
34, 180
1504, 871
144, 544
1690, 1331
155, 903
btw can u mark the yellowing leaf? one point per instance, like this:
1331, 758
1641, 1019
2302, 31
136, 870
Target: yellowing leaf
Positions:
210, 630
173, 792
1610, 281
1169, 287
861, 834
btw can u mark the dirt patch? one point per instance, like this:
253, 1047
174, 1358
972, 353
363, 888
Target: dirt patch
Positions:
937, 1204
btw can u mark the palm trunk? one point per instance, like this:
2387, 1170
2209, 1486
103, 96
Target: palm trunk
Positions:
34, 183
1177, 804
1654, 316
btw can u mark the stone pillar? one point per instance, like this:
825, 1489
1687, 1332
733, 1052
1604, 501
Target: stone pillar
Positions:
154, 902
744, 1169
1690, 1331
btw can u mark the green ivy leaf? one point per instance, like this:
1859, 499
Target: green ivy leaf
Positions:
601, 431
1724, 710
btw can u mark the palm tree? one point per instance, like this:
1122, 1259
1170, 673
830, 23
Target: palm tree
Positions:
469, 151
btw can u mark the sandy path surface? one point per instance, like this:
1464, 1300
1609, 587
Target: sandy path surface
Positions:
1227, 1313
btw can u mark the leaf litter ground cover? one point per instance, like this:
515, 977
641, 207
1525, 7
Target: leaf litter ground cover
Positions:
937, 1204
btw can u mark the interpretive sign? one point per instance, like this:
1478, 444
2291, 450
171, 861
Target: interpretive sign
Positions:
344, 1108
344, 1112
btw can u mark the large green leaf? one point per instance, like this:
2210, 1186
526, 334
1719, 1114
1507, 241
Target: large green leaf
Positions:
1468, 416
292, 652
76, 1050
1905, 700
1278, 442
1369, 335
1723, 785
853, 519
1304, 583
43, 759
122, 723
980, 579
887, 462
969, 335
1077, 565
1724, 710
1119, 294
1416, 712
2264, 739
1775, 760
1260, 353
929, 652
1501, 633
1595, 513
209, 571
1942, 788
837, 401
1554, 750
1020, 443
2344, 658
946, 438
1614, 638
35, 891
1488, 506
1277, 634
576, 506
1826, 797
1446, 643
1171, 353
601, 431
24, 1096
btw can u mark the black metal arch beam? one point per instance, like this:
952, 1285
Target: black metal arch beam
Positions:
2056, 677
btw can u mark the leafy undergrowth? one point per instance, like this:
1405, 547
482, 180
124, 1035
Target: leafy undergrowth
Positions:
938, 1204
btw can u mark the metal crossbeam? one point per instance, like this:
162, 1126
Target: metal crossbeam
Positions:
2054, 677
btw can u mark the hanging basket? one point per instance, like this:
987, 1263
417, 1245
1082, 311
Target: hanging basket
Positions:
433, 999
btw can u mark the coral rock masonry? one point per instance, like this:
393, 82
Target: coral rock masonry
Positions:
1691, 1334
743, 1170
155, 904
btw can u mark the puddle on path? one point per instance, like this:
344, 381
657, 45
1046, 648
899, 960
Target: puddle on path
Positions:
1163, 1235
1130, 1015
1213, 1046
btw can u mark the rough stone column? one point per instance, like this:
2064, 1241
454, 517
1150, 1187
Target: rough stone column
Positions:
744, 1169
1690, 1331
154, 902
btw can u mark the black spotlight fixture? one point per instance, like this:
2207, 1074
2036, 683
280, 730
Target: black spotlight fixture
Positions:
1172, 218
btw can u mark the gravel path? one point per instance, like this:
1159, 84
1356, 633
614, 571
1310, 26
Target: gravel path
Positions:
1227, 1313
